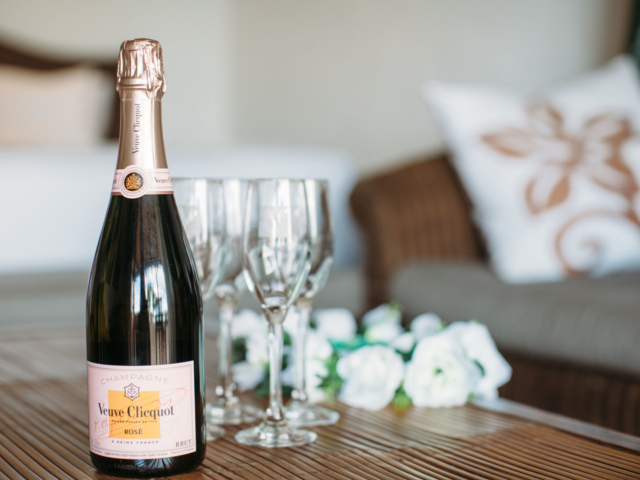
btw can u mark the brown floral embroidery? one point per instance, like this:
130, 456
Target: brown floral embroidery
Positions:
593, 151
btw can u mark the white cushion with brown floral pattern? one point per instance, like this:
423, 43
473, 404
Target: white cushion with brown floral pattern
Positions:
553, 177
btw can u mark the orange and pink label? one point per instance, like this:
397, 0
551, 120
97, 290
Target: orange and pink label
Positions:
141, 412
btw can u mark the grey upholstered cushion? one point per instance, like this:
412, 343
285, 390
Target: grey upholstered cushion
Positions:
589, 322
43, 299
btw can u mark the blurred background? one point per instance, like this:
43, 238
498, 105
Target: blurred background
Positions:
331, 90
343, 74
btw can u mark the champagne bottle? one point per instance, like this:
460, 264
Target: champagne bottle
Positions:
144, 310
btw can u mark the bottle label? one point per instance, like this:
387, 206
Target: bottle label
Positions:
141, 412
134, 182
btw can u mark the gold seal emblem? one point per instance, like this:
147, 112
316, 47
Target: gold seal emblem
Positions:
133, 182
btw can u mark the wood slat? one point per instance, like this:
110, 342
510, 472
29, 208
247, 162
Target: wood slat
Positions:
44, 433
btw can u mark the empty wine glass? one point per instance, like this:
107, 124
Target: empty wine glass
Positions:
276, 249
201, 205
300, 411
226, 408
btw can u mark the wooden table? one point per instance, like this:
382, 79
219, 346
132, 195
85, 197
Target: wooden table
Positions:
43, 433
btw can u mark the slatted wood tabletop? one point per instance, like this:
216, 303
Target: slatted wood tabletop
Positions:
43, 433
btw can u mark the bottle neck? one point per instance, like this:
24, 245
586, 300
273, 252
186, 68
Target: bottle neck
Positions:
141, 141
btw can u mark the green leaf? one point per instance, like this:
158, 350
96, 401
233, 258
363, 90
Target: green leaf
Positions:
239, 350
332, 382
482, 371
394, 305
262, 390
406, 356
401, 400
353, 344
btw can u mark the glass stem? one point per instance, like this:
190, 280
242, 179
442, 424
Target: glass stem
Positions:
225, 347
274, 412
299, 352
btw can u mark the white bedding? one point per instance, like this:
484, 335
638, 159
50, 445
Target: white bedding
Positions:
53, 201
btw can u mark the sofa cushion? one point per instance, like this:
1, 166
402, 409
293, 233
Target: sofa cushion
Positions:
553, 177
49, 299
587, 322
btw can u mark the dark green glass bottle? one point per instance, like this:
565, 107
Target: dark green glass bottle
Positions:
144, 311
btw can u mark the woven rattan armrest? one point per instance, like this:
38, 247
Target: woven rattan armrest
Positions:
419, 211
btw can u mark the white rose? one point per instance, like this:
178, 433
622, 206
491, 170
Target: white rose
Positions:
315, 371
247, 376
246, 323
254, 328
404, 343
383, 332
337, 324
371, 375
383, 313
290, 324
257, 348
317, 347
317, 351
480, 347
426, 324
439, 373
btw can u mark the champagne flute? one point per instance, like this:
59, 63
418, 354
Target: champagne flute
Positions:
276, 257
300, 411
226, 408
201, 205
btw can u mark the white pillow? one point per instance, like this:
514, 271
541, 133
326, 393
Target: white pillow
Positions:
68, 107
553, 177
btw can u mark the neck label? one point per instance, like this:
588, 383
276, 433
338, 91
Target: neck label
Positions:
134, 182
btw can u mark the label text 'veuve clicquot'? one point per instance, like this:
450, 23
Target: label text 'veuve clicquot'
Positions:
135, 411
136, 129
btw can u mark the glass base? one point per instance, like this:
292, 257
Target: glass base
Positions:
214, 432
275, 436
305, 414
222, 412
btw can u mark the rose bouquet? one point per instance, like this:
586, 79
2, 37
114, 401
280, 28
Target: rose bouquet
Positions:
429, 365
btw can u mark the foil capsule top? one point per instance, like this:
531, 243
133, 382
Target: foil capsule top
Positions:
140, 65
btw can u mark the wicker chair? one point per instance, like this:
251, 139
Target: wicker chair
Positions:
416, 212
420, 212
